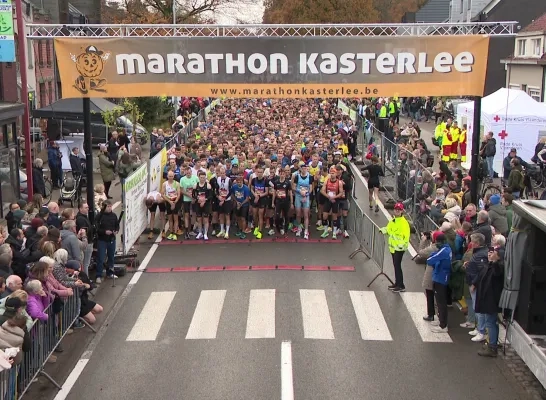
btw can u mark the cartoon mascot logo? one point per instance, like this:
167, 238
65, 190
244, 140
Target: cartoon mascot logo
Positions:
90, 66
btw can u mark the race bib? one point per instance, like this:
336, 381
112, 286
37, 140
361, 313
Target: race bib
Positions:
259, 190
281, 194
202, 197
239, 195
190, 192
223, 193
331, 195
304, 191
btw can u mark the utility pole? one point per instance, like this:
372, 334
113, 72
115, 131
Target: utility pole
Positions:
22, 55
174, 12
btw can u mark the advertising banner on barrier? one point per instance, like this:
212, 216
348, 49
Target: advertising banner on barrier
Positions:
273, 67
134, 207
157, 163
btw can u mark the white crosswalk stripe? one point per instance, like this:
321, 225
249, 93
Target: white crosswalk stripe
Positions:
316, 316
206, 316
370, 319
261, 322
151, 318
416, 303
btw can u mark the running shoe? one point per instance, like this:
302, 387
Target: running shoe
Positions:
320, 228
306, 235
242, 235
334, 235
282, 232
179, 232
174, 237
271, 232
258, 235
205, 237
325, 234
226, 236
221, 234
239, 234
298, 232
345, 233
150, 235
199, 236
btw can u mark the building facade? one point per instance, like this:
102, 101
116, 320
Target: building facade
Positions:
526, 66
465, 10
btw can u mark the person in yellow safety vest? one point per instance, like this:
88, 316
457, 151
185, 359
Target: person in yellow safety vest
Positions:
455, 133
392, 108
462, 143
446, 143
383, 110
398, 231
438, 132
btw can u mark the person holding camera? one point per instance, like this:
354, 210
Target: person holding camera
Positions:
107, 228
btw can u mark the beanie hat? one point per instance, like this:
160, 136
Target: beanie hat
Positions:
495, 199
437, 235
36, 223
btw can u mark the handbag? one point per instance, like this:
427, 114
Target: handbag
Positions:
57, 305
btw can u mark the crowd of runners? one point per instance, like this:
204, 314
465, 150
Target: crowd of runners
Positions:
259, 167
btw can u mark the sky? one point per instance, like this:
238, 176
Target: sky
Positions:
248, 13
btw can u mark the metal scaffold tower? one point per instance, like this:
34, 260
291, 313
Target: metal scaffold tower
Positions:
36, 31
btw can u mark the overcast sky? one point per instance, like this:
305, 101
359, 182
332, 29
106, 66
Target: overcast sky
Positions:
250, 14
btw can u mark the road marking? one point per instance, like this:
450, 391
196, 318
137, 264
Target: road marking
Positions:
316, 316
71, 380
84, 359
206, 316
356, 172
416, 303
116, 205
151, 318
370, 319
260, 323
287, 380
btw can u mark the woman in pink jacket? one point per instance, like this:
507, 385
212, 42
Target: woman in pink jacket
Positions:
37, 300
43, 271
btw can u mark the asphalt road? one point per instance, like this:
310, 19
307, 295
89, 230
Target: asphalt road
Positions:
220, 334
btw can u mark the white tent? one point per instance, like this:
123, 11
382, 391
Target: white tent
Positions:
515, 118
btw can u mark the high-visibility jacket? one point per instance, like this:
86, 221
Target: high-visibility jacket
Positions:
383, 112
462, 136
392, 108
438, 131
398, 230
446, 138
398, 104
455, 132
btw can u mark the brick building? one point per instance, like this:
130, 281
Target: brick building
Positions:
44, 68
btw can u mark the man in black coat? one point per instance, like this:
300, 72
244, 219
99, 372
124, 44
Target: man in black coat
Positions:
107, 228
488, 293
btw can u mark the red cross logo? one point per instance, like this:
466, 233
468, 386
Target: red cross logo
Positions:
497, 118
503, 134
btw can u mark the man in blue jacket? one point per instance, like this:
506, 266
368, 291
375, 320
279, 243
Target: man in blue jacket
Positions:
441, 262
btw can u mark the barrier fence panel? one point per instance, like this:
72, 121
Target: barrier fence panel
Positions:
8, 386
409, 180
371, 240
45, 338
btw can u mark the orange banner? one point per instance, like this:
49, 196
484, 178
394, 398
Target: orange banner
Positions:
273, 67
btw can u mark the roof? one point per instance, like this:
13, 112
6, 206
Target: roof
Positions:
512, 102
73, 109
538, 25
532, 210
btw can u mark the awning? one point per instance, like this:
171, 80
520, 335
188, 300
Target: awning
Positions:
10, 111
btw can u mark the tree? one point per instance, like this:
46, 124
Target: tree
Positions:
156, 111
124, 107
337, 12
161, 11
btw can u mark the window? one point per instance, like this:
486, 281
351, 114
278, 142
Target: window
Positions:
535, 94
50, 92
514, 86
536, 47
43, 95
49, 51
462, 6
41, 52
469, 4
521, 47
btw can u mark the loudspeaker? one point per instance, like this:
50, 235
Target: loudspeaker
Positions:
530, 312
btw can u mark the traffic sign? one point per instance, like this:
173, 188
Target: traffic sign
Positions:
7, 34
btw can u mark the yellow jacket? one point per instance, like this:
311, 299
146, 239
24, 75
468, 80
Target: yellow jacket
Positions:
446, 138
398, 230
462, 136
438, 132
455, 132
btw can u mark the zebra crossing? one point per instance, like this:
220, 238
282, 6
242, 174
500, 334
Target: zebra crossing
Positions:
316, 317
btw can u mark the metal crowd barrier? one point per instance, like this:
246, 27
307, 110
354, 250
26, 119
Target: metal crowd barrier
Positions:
371, 241
45, 338
402, 180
